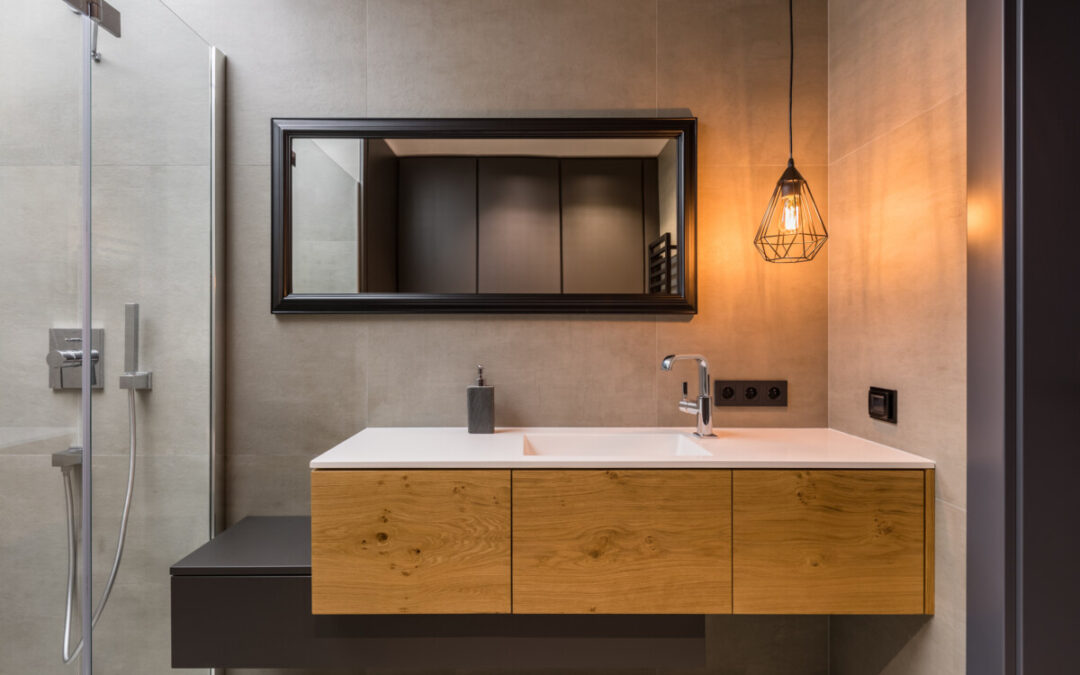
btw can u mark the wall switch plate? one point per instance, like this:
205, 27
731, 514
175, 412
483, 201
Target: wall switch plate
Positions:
756, 393
881, 404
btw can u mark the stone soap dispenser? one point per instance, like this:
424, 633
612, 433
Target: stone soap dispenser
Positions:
481, 399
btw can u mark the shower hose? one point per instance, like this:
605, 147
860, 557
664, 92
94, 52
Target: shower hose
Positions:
68, 654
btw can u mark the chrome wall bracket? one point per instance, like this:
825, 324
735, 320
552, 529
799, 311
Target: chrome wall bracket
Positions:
101, 12
66, 459
132, 377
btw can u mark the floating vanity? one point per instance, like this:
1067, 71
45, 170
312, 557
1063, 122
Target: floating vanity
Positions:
620, 521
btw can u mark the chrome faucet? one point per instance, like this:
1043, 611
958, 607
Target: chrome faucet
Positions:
702, 407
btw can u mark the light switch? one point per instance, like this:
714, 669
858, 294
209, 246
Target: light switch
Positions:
882, 404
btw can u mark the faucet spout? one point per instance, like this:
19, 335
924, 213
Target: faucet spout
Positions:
703, 406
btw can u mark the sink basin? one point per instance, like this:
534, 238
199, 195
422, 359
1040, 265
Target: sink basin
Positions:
612, 445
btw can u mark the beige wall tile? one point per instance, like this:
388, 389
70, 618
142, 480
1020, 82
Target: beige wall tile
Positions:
897, 286
267, 485
728, 63
295, 384
890, 60
41, 206
547, 371
897, 292
489, 58
151, 92
150, 244
287, 59
42, 75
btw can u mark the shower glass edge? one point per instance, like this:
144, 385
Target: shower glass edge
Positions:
156, 200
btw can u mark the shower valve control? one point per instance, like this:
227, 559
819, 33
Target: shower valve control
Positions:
65, 358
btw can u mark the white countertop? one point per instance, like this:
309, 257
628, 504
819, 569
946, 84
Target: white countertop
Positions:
611, 447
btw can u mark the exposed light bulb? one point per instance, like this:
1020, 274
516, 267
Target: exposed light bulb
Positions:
790, 219
791, 229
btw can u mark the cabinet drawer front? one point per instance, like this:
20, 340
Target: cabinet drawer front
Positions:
829, 542
622, 542
410, 542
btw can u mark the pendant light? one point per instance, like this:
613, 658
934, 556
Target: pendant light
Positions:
792, 229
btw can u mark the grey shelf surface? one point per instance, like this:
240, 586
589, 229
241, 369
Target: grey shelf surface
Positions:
257, 545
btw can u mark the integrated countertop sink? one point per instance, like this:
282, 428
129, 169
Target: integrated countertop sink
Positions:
608, 444
611, 447
594, 521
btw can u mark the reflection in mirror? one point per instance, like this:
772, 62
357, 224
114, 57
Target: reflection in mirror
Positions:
484, 215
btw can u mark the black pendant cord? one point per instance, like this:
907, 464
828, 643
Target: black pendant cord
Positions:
791, 77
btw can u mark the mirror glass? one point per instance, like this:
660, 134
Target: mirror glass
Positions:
455, 215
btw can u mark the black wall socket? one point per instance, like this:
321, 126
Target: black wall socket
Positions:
881, 404
758, 393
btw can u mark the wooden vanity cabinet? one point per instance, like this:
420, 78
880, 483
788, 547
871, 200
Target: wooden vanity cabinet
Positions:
622, 541
638, 541
410, 542
833, 541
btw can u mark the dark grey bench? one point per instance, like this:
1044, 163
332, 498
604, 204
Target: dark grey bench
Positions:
243, 600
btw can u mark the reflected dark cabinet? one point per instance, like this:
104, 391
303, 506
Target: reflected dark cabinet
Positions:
523, 225
436, 236
518, 238
502, 215
609, 216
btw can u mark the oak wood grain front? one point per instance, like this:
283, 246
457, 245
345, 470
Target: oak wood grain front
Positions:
829, 542
410, 542
622, 542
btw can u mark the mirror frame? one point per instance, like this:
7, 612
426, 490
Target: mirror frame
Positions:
283, 301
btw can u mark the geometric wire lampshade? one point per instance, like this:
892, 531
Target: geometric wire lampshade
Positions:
792, 229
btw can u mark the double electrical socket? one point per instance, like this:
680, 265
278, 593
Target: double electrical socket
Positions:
750, 393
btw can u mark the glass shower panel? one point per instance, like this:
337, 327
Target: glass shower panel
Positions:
40, 259
151, 207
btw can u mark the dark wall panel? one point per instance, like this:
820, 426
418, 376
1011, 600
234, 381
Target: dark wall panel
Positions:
1049, 345
437, 225
603, 226
518, 223
378, 262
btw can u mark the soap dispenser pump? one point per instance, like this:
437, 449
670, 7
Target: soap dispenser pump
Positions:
481, 400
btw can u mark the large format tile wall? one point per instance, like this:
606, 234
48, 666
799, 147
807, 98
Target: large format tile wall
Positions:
151, 228
897, 290
297, 385
39, 219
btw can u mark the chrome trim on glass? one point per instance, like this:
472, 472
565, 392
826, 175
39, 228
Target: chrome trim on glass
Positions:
86, 664
217, 291
100, 13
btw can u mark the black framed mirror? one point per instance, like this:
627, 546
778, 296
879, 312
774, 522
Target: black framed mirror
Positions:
574, 215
